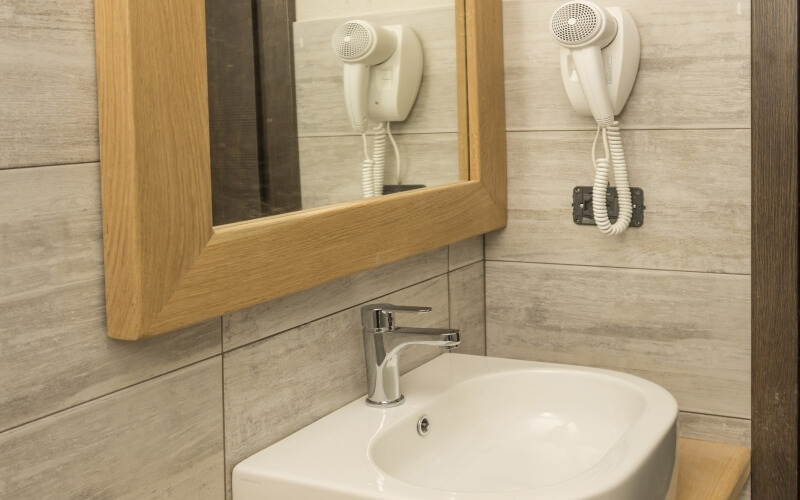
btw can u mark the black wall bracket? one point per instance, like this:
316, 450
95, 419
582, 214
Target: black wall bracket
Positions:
583, 208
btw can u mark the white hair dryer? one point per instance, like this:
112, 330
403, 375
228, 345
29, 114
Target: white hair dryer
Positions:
599, 61
361, 45
382, 77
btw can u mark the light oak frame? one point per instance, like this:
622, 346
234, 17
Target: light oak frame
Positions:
167, 266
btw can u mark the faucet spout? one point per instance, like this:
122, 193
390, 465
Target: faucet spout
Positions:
402, 337
383, 343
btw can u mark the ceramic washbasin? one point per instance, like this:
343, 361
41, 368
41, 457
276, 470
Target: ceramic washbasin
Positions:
497, 429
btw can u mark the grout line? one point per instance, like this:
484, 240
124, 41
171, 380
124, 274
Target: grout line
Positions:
224, 433
466, 265
615, 267
485, 308
27, 167
714, 415
512, 130
396, 134
339, 311
108, 394
449, 301
449, 289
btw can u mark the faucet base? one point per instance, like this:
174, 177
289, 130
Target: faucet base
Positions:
386, 404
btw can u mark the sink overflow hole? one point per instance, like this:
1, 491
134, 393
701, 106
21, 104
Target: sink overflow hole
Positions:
423, 426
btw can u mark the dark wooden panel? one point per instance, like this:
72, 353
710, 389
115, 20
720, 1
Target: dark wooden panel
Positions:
281, 169
233, 111
775, 250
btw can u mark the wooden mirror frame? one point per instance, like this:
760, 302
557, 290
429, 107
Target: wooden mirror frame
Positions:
167, 266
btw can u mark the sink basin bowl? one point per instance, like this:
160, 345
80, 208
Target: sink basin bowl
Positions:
496, 429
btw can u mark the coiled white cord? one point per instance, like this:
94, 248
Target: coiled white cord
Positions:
378, 158
367, 167
612, 141
396, 153
372, 168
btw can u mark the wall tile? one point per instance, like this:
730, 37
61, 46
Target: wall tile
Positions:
714, 428
694, 71
263, 320
276, 387
331, 166
697, 193
158, 440
466, 252
688, 332
52, 302
468, 308
321, 9
318, 75
47, 73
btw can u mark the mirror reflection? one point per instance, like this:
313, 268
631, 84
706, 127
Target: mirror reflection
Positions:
318, 102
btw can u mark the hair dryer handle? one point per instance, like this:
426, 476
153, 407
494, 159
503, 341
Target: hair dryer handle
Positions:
356, 82
592, 74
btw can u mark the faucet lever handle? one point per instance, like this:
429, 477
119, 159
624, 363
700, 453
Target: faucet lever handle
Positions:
381, 316
414, 309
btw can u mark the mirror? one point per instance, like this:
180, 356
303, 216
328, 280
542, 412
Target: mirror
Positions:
168, 266
281, 135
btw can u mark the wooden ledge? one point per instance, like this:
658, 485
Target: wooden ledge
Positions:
711, 471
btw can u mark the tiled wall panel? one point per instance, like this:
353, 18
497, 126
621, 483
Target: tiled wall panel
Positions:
331, 166
54, 351
689, 332
47, 76
161, 439
697, 193
694, 72
322, 9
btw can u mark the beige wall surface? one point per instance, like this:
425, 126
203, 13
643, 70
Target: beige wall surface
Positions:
99, 416
84, 416
669, 301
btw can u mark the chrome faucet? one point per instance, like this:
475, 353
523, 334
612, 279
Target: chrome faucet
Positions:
383, 342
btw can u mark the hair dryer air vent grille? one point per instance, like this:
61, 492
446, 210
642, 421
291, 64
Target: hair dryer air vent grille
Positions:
352, 40
574, 22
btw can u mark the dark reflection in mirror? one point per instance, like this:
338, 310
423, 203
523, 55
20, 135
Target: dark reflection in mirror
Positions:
252, 111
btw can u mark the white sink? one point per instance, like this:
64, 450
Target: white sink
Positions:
498, 428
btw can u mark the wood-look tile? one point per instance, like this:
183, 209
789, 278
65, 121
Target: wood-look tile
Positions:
321, 9
47, 77
688, 332
714, 428
285, 313
330, 167
318, 74
466, 252
694, 71
468, 308
697, 192
284, 383
54, 351
161, 439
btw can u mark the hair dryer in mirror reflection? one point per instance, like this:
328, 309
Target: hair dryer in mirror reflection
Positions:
599, 62
382, 76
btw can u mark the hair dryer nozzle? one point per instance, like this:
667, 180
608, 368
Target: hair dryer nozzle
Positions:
581, 23
361, 42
